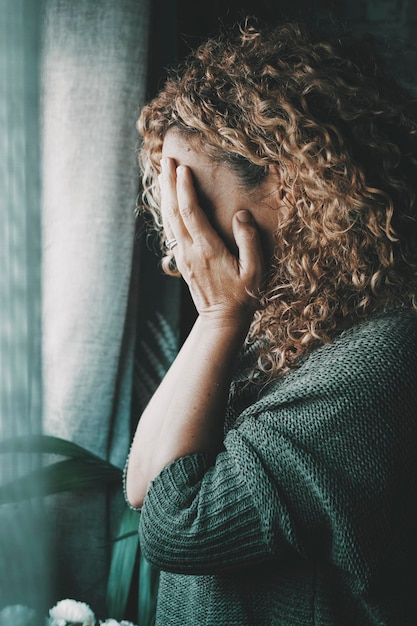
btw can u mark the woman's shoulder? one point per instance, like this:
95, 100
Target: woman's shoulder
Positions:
373, 358
381, 347
383, 334
393, 324
390, 334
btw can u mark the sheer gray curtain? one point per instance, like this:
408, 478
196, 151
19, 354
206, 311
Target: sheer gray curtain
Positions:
93, 73
68, 251
23, 549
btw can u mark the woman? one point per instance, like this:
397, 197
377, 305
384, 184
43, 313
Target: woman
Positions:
275, 466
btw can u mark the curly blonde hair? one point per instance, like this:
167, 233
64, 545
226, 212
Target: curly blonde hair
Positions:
343, 137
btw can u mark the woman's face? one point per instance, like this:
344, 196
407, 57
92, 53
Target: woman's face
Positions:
221, 194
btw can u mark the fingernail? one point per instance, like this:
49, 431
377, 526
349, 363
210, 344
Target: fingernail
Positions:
244, 216
180, 170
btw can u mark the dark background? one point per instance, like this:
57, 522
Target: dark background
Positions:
178, 25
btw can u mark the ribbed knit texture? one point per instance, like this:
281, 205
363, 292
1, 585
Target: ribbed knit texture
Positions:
308, 516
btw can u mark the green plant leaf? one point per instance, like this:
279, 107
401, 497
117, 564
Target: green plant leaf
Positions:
147, 593
157, 352
132, 533
46, 444
69, 475
122, 564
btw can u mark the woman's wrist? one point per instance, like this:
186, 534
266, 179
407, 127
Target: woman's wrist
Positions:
225, 327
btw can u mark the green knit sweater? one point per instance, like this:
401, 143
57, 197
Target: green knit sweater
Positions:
308, 516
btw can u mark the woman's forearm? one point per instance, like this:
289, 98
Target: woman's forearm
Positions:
186, 413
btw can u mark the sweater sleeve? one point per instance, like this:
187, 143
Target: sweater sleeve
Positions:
201, 516
322, 465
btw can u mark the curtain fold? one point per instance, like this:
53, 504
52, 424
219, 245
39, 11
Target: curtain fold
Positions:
93, 74
23, 562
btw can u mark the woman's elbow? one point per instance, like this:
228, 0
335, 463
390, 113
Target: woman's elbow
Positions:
135, 489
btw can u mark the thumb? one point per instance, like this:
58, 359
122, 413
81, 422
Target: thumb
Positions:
248, 242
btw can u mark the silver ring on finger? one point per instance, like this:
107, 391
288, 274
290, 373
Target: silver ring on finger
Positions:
170, 243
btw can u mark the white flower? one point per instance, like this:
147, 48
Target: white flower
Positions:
17, 615
68, 612
112, 622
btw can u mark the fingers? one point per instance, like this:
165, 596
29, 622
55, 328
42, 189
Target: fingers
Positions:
182, 217
248, 242
171, 217
166, 226
193, 217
